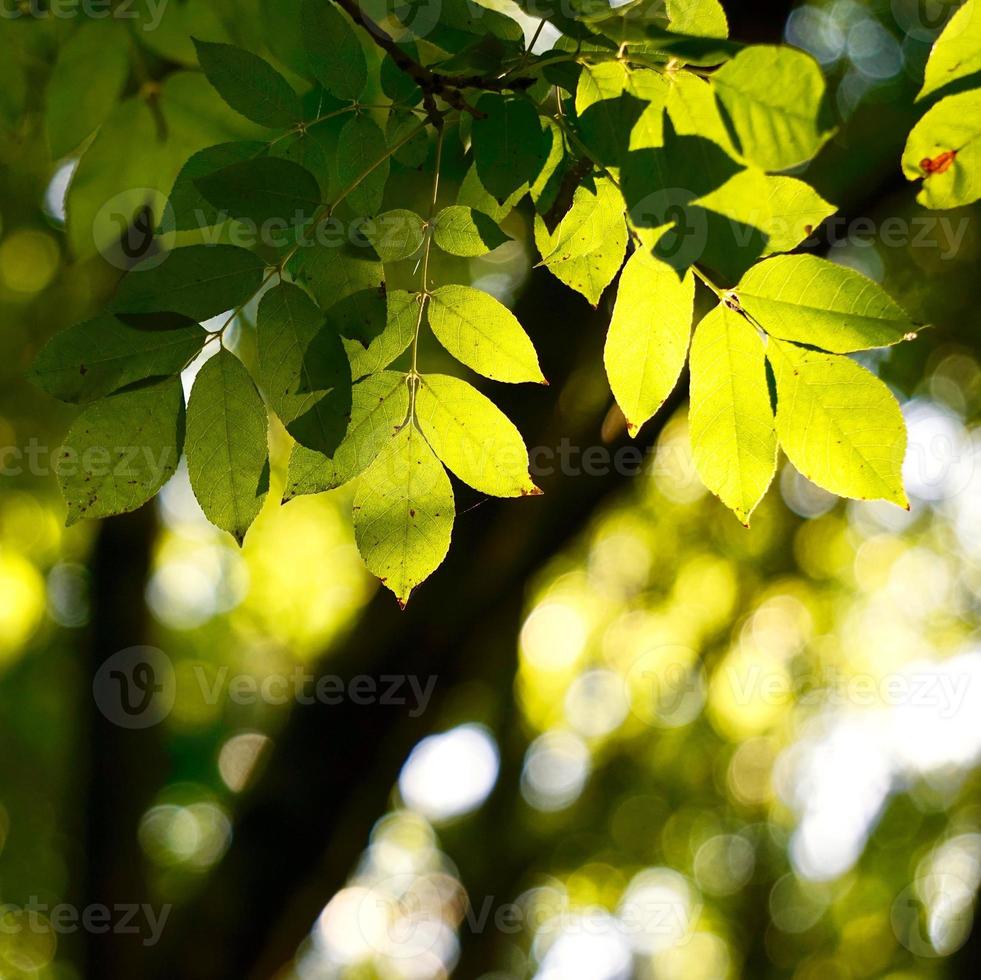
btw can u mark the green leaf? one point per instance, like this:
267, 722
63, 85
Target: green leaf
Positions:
93, 359
473, 437
944, 150
199, 281
303, 368
730, 419
403, 513
249, 84
348, 283
473, 194
310, 149
75, 108
333, 49
264, 189
121, 450
227, 444
545, 188
586, 250
361, 145
816, 302
774, 96
336, 269
464, 231
838, 424
619, 109
693, 110
189, 210
482, 333
398, 128
956, 54
705, 18
648, 337
395, 235
379, 407
395, 83
754, 214
784, 209
508, 144
402, 316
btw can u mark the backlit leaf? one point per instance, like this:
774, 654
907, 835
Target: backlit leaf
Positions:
816, 302
403, 513
464, 231
249, 84
227, 451
99, 356
379, 406
730, 419
402, 317
956, 54
396, 234
482, 333
121, 450
774, 96
839, 425
199, 281
473, 437
334, 52
647, 343
619, 109
944, 151
587, 249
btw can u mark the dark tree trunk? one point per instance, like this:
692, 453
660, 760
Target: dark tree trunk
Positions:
125, 766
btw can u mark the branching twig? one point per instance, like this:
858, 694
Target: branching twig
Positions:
433, 84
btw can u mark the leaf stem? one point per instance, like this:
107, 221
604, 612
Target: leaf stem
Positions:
708, 282
424, 275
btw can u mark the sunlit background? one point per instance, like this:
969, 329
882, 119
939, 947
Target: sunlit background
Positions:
730, 753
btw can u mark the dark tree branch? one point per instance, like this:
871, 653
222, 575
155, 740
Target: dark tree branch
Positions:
433, 84
125, 766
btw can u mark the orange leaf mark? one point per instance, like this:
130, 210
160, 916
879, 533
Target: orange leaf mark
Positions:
938, 164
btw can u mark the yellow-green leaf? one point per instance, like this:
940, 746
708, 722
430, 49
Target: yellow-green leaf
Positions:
730, 419
465, 231
838, 424
473, 437
957, 52
648, 337
379, 406
121, 450
403, 513
944, 151
816, 302
227, 444
586, 250
483, 333
774, 96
